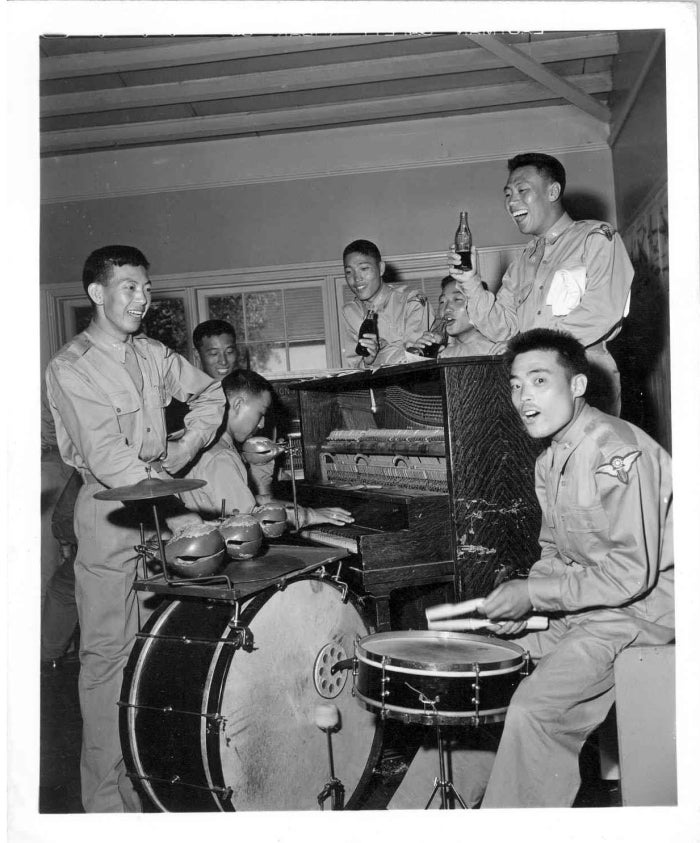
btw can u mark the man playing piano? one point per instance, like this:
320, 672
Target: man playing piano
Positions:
605, 574
248, 397
401, 315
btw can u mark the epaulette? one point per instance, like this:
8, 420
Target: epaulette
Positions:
74, 349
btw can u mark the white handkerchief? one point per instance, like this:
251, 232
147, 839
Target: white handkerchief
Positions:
568, 286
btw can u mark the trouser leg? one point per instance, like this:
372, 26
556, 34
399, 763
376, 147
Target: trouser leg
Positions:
60, 614
104, 573
549, 718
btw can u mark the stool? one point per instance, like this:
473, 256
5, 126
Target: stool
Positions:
645, 703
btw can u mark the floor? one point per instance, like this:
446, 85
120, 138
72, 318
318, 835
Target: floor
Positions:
60, 749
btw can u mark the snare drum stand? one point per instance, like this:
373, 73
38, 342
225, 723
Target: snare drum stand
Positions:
442, 783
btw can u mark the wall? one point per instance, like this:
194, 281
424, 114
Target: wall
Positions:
296, 199
639, 158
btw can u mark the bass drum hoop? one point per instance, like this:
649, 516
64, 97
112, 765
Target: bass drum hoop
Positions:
213, 785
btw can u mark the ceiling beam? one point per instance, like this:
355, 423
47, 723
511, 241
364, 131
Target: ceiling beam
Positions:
532, 68
306, 78
224, 48
365, 110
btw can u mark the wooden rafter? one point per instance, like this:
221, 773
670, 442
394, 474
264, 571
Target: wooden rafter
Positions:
305, 78
554, 83
386, 108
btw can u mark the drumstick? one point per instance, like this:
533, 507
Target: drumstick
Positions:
534, 622
449, 610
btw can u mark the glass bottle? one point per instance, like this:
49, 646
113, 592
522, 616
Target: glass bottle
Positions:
439, 326
463, 241
368, 326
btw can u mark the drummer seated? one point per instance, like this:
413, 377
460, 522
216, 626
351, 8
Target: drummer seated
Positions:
248, 397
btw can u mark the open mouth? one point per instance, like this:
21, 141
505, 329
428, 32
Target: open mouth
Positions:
529, 415
135, 314
518, 216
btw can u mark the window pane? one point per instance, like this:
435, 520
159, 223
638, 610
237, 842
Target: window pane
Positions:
304, 308
264, 357
264, 316
230, 309
307, 356
165, 321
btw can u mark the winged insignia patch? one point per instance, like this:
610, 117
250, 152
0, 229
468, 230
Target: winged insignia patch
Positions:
619, 466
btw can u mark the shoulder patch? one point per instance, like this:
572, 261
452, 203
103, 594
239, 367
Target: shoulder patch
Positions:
604, 228
619, 466
416, 295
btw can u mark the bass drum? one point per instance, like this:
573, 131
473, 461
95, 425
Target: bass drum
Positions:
207, 724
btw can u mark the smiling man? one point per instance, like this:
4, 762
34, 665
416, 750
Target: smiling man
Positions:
573, 276
605, 573
402, 315
107, 389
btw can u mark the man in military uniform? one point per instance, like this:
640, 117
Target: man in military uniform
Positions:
605, 573
573, 276
107, 390
402, 315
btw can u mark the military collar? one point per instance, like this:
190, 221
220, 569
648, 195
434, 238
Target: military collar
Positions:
106, 342
378, 300
554, 233
576, 432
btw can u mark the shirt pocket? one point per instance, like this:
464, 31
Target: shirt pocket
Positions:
126, 407
587, 529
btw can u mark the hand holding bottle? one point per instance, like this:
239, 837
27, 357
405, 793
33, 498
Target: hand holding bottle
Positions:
368, 337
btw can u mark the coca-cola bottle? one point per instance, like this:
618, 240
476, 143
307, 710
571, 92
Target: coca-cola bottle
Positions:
463, 241
438, 327
368, 326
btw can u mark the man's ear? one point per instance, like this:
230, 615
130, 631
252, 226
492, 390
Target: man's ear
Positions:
96, 291
554, 191
235, 404
198, 359
578, 385
382, 267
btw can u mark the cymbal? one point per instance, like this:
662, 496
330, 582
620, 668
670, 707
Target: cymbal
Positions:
149, 488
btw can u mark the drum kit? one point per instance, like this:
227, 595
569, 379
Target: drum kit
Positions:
223, 695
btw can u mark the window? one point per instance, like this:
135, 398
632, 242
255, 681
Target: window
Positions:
165, 321
278, 329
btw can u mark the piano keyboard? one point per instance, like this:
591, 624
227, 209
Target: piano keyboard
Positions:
345, 537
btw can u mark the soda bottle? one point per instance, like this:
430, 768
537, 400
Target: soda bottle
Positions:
463, 241
438, 327
368, 326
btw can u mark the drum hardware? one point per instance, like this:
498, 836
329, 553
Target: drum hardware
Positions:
242, 636
213, 720
222, 792
326, 667
328, 719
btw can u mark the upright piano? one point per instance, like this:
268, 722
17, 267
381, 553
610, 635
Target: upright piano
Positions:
436, 468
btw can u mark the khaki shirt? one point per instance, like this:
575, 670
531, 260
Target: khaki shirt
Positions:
591, 255
227, 479
476, 345
105, 426
403, 316
607, 535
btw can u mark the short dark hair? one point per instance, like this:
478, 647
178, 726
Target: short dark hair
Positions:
362, 247
570, 353
445, 281
100, 263
552, 169
211, 328
245, 380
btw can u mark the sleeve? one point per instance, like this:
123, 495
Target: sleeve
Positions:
495, 316
609, 275
410, 317
204, 396
225, 481
86, 416
624, 540
350, 325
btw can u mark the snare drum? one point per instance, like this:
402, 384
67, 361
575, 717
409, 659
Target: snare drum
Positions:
429, 677
209, 722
